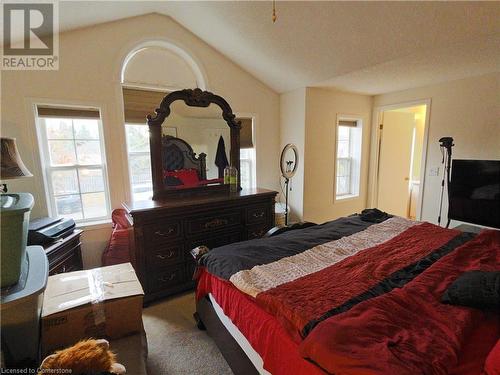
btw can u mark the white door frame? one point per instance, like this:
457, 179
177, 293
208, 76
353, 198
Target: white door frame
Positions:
375, 150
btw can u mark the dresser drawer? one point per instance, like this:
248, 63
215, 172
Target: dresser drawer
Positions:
63, 250
69, 264
213, 222
215, 241
256, 231
166, 278
165, 255
162, 232
257, 214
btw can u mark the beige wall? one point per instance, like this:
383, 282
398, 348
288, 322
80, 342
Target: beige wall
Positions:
292, 118
322, 108
467, 110
89, 74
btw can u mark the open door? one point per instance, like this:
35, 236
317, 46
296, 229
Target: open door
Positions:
395, 162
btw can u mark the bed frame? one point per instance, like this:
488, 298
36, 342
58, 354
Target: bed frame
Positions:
178, 154
207, 319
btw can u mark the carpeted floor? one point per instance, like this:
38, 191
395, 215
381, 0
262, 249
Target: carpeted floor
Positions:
175, 345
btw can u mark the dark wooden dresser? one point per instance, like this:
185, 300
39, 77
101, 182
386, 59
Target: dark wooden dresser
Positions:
166, 230
65, 255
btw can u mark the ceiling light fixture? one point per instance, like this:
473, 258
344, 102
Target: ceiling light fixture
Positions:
274, 17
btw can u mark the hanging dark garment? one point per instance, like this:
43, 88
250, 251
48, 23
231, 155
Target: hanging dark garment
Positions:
220, 157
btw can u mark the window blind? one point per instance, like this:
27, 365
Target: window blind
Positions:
140, 103
246, 133
62, 112
351, 123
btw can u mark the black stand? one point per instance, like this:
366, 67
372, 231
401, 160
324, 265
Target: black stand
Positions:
287, 181
446, 147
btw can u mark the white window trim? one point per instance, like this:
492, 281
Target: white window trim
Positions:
45, 158
350, 196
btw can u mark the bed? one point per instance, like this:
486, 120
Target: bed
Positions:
358, 295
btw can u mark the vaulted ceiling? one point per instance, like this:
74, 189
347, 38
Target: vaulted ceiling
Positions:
367, 47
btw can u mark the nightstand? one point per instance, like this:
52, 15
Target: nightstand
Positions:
65, 255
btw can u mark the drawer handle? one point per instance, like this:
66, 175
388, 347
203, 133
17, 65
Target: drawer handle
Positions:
216, 223
168, 278
258, 215
171, 253
165, 234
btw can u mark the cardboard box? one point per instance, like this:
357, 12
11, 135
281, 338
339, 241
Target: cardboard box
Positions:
99, 303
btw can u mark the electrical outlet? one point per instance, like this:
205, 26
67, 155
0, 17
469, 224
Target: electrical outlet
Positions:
434, 171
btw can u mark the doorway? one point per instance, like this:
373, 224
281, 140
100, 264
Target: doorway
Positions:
401, 158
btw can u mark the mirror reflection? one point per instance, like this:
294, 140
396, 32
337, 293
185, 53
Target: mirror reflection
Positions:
289, 160
196, 146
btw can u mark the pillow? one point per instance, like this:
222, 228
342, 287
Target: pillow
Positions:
189, 177
491, 366
478, 289
172, 181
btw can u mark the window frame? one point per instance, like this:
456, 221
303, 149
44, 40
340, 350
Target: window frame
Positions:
47, 169
354, 192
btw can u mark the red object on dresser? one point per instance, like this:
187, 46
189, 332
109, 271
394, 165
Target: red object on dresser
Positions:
121, 242
190, 178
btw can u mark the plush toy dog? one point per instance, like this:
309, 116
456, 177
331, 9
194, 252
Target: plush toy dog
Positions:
85, 357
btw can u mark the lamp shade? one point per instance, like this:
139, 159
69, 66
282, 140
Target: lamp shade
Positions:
11, 165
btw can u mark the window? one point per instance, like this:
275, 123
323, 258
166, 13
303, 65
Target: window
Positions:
348, 159
247, 168
139, 161
74, 163
247, 154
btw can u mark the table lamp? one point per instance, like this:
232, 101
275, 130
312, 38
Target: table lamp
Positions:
14, 212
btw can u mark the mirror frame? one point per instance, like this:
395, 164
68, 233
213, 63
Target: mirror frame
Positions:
284, 173
193, 98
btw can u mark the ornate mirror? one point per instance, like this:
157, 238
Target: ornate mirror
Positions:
194, 136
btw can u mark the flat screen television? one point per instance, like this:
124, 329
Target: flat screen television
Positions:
475, 192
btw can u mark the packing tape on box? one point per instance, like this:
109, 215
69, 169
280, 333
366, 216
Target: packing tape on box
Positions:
97, 287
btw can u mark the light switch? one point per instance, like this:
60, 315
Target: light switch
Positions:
434, 171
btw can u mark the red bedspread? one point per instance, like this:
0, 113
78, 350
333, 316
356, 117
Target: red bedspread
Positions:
298, 302
278, 351
408, 330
